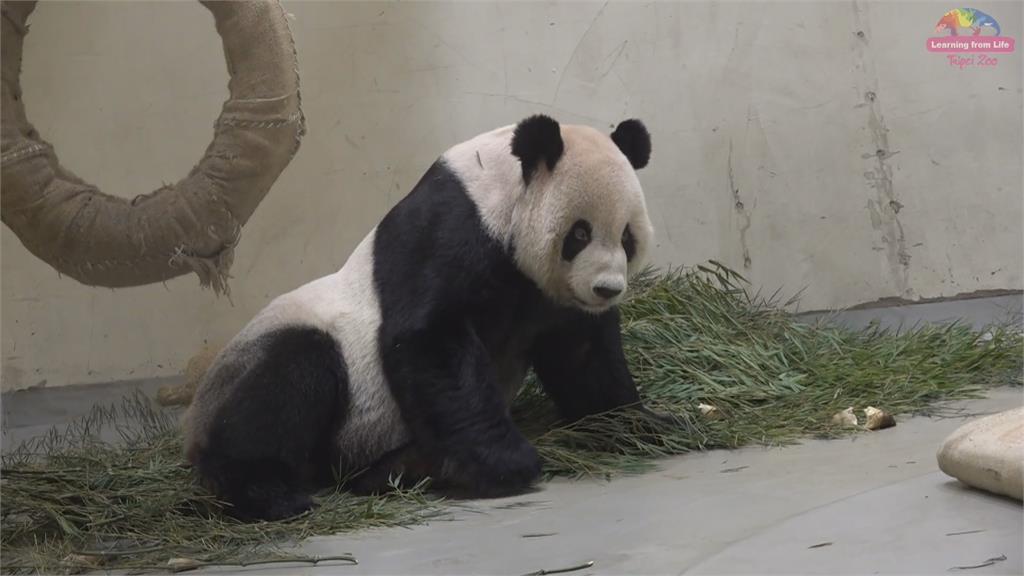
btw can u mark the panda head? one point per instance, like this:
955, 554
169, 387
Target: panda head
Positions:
580, 228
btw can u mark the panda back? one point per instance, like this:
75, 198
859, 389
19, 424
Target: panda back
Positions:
345, 306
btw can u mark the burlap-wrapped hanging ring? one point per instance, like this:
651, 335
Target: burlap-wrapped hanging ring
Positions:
193, 225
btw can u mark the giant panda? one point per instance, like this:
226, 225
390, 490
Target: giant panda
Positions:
510, 253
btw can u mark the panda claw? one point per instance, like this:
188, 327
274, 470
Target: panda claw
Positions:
510, 468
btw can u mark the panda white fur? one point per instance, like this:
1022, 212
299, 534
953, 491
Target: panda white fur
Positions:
511, 252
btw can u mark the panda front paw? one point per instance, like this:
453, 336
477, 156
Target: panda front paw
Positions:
493, 469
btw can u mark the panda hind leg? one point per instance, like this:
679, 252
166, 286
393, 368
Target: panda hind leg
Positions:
253, 489
403, 467
271, 443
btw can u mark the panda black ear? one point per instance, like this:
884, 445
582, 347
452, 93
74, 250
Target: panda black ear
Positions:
537, 138
632, 138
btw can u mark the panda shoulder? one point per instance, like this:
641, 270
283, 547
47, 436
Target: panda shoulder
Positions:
490, 175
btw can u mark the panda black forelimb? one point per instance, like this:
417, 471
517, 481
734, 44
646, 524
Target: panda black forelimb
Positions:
582, 367
444, 385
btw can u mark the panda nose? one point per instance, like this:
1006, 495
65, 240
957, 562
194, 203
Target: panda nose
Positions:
606, 292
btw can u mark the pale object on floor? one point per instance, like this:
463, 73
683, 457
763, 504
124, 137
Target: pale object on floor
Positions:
988, 453
845, 418
181, 394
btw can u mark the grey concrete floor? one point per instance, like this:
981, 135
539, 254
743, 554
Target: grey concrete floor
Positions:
877, 500
871, 504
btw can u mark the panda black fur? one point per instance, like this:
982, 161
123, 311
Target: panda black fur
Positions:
511, 252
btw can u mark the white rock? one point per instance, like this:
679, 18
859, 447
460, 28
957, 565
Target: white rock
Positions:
988, 453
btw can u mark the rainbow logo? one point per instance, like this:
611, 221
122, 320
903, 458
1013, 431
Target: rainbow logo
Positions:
973, 22
958, 18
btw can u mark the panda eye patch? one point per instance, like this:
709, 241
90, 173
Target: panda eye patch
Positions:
628, 243
576, 240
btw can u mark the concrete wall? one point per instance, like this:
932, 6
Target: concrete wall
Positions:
808, 145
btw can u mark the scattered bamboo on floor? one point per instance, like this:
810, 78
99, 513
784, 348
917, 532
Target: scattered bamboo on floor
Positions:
693, 338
